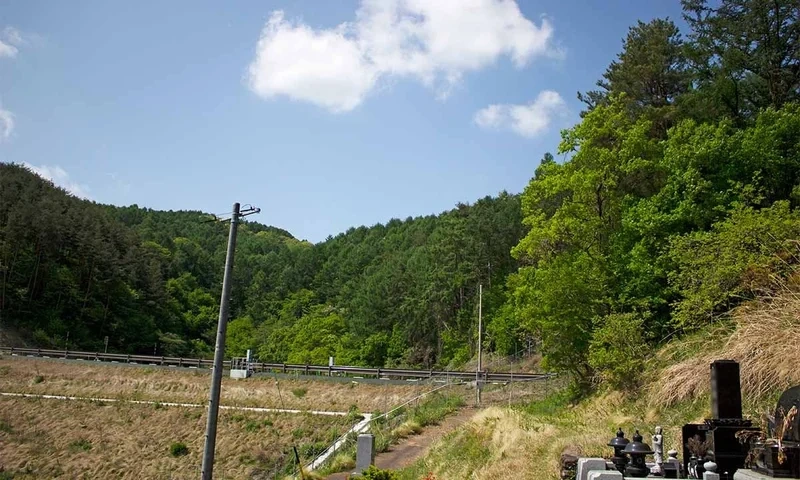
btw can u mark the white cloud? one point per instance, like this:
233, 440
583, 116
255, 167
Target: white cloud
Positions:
60, 177
6, 124
10, 39
434, 42
526, 120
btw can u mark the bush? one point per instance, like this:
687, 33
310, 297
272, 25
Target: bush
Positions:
617, 350
178, 449
375, 473
734, 261
38, 379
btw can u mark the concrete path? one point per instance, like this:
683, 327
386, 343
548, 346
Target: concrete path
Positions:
416, 446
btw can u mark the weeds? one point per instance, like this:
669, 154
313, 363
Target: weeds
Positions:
38, 379
81, 444
178, 449
299, 392
407, 428
5, 427
435, 408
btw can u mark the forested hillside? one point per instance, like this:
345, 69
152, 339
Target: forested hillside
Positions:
75, 272
674, 199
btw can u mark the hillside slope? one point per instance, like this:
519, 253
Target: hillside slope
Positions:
529, 439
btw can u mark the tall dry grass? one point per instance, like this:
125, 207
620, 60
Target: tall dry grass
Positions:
91, 379
77, 439
764, 339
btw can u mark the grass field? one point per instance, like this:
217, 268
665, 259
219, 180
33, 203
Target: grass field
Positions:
91, 379
79, 439
50, 438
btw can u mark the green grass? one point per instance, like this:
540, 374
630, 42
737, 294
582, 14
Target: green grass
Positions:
5, 427
80, 445
550, 406
464, 449
178, 449
300, 392
435, 408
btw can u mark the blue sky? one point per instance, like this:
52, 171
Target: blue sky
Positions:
327, 115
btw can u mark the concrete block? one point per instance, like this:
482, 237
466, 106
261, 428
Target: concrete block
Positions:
604, 475
586, 465
747, 474
239, 374
365, 451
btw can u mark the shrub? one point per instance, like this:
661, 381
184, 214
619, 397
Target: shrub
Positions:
617, 350
375, 473
178, 449
38, 379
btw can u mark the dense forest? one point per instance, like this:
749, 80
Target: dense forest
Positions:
74, 272
673, 199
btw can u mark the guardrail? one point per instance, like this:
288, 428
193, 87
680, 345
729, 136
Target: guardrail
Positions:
262, 367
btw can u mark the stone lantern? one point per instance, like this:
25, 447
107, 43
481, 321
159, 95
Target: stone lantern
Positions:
638, 451
618, 443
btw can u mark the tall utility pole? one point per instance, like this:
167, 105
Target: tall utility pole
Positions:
480, 334
219, 349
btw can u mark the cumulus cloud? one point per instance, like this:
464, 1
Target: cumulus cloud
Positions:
10, 40
6, 124
60, 178
526, 120
434, 42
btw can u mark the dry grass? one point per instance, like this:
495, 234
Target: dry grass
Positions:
406, 429
77, 439
90, 379
503, 443
764, 341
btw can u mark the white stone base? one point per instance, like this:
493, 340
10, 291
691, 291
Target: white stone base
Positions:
240, 373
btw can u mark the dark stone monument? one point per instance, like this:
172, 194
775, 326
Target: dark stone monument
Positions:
718, 434
781, 461
726, 391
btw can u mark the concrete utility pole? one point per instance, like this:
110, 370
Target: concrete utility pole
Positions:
219, 349
480, 334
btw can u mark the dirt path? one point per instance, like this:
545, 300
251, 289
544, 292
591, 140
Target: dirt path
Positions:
415, 446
